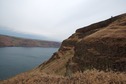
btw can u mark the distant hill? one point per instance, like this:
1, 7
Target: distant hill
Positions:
10, 41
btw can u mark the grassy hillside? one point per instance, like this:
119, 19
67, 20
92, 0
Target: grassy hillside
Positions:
100, 45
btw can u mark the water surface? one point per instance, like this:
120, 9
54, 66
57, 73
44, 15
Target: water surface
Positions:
14, 60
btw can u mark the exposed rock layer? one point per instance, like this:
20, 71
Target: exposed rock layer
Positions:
104, 48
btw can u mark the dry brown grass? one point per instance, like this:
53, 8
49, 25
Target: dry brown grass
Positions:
87, 77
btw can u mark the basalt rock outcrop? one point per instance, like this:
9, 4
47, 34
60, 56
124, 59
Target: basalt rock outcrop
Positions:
104, 48
101, 46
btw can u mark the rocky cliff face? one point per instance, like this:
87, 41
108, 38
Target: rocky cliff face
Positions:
101, 45
104, 47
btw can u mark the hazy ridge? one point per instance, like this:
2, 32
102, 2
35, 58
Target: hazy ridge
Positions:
11, 41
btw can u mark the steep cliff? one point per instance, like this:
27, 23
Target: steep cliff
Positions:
101, 45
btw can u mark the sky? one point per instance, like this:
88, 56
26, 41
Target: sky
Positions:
55, 19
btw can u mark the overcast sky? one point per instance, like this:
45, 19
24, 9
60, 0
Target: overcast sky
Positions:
56, 19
